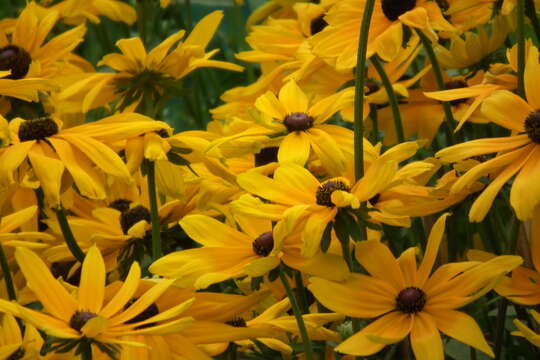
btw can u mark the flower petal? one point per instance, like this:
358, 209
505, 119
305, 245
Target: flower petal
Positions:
92, 286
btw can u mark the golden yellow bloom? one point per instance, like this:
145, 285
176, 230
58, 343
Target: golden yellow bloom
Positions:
517, 155
407, 301
75, 12
15, 345
85, 314
79, 151
139, 73
337, 44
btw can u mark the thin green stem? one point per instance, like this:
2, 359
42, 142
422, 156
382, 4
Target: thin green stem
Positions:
142, 13
7, 275
86, 350
308, 347
375, 123
520, 31
189, 16
392, 97
359, 91
473, 353
152, 195
530, 11
450, 122
500, 327
304, 306
68, 235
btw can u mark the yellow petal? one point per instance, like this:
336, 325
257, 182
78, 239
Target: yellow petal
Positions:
203, 229
293, 99
432, 249
126, 292
294, 148
377, 259
92, 286
425, 338
54, 297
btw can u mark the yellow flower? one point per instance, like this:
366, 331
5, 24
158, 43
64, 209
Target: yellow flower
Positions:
84, 314
527, 333
15, 345
139, 73
302, 197
337, 44
49, 151
74, 12
517, 155
406, 300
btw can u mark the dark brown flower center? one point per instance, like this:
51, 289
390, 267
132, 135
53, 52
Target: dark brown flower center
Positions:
146, 314
393, 9
133, 216
375, 199
532, 126
63, 269
237, 322
266, 156
411, 300
318, 24
163, 133
298, 121
80, 318
264, 244
17, 355
121, 205
37, 129
324, 192
456, 84
15, 59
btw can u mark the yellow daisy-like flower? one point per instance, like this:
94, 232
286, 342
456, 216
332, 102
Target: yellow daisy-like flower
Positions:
85, 314
16, 345
517, 155
295, 190
139, 73
50, 152
294, 113
74, 12
337, 44
406, 300
25, 50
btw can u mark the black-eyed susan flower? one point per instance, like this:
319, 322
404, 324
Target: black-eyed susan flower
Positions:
411, 301
517, 155
16, 344
78, 11
82, 151
84, 315
139, 73
338, 42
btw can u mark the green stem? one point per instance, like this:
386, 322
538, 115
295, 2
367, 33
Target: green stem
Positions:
86, 350
308, 348
68, 235
304, 306
189, 15
375, 123
500, 327
450, 122
359, 91
520, 31
7, 275
473, 353
392, 98
530, 11
156, 233
142, 13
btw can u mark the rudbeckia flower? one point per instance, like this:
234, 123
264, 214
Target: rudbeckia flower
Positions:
84, 315
75, 12
25, 50
50, 151
337, 44
303, 197
139, 73
14, 344
410, 301
516, 155
303, 120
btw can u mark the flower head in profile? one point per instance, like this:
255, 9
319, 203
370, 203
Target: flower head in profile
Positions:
337, 44
84, 314
516, 155
140, 73
407, 300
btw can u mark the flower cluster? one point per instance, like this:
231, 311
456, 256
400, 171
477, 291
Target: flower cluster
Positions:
350, 178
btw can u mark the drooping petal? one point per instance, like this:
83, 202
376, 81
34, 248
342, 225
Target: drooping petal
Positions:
203, 229
462, 327
425, 338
